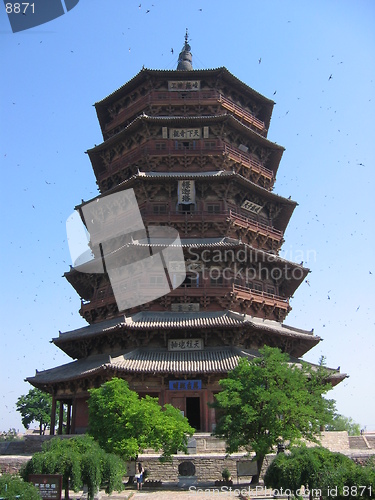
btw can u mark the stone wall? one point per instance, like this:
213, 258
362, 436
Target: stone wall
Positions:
27, 445
12, 464
208, 468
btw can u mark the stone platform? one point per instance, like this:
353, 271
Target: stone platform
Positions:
206, 453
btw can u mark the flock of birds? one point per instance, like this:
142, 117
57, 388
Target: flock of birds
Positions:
50, 183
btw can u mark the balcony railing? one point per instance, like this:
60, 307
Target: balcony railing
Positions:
205, 288
169, 147
202, 98
171, 216
261, 296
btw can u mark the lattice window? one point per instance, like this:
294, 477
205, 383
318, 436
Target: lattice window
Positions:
159, 209
213, 208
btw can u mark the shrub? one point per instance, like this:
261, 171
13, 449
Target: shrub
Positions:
12, 487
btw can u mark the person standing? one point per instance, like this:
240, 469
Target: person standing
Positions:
140, 476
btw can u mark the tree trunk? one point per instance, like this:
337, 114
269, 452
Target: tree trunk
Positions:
67, 485
255, 479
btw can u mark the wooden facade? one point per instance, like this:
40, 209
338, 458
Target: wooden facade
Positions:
208, 129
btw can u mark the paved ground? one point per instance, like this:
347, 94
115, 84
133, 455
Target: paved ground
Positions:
200, 493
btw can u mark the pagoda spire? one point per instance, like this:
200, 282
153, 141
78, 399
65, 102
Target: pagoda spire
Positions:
185, 57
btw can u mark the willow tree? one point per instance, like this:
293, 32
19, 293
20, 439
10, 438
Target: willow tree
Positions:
80, 461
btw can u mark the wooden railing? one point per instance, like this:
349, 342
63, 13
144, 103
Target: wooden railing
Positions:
261, 296
241, 112
262, 228
203, 97
204, 216
237, 155
197, 148
196, 290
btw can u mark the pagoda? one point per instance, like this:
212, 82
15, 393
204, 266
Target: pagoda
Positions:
193, 147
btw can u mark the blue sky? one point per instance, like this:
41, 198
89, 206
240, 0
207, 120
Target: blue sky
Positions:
51, 76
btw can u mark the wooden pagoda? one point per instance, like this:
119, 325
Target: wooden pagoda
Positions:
193, 146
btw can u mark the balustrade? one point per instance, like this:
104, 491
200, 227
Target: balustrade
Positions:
165, 98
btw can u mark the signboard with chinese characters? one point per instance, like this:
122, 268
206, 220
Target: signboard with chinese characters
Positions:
246, 468
183, 85
251, 207
185, 385
188, 307
186, 191
185, 134
48, 485
185, 344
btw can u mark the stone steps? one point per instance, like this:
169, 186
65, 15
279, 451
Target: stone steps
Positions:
358, 443
371, 441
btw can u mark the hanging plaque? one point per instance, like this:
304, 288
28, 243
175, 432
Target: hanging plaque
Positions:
251, 207
183, 85
186, 191
185, 133
185, 385
185, 344
185, 307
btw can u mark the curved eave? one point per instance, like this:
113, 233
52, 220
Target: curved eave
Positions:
294, 274
214, 361
282, 219
274, 161
168, 120
260, 256
84, 283
171, 322
145, 73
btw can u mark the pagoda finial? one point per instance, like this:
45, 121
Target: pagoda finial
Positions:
185, 57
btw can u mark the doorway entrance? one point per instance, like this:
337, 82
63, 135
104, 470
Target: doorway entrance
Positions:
193, 412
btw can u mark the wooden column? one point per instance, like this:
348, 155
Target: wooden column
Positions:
74, 412
69, 409
162, 393
53, 417
61, 417
205, 411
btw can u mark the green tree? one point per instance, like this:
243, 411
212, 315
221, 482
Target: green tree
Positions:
35, 406
268, 401
341, 423
125, 424
320, 470
80, 461
13, 487
9, 435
